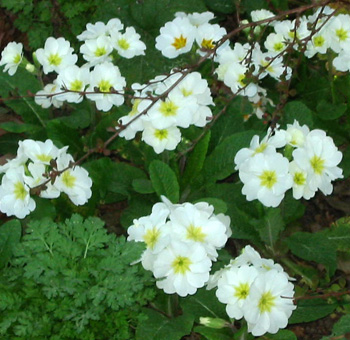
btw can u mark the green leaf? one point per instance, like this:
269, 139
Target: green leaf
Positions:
314, 247
9, 143
329, 111
339, 234
214, 334
78, 119
342, 327
310, 310
345, 163
164, 180
299, 111
138, 207
283, 334
143, 186
220, 163
196, 160
19, 85
10, 234
221, 6
270, 227
158, 326
19, 128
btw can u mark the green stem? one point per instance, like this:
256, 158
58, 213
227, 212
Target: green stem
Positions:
330, 75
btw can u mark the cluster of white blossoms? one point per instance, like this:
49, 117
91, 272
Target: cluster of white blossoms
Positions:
186, 103
182, 241
311, 164
41, 168
257, 289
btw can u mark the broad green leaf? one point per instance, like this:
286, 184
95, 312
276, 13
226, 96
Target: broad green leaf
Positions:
18, 85
345, 163
204, 304
329, 111
342, 327
221, 6
19, 128
310, 310
282, 334
339, 234
9, 143
164, 180
270, 227
291, 209
10, 234
196, 160
297, 110
214, 334
158, 326
314, 247
143, 186
252, 5
78, 119
220, 163
44, 208
137, 208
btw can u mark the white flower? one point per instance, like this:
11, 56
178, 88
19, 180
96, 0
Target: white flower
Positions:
93, 31
319, 158
97, 51
342, 61
39, 152
176, 37
319, 43
270, 303
194, 225
15, 197
296, 134
182, 268
266, 178
196, 19
261, 14
339, 31
47, 97
106, 77
128, 44
207, 36
75, 79
300, 184
234, 287
161, 139
56, 55
75, 182
11, 57
275, 43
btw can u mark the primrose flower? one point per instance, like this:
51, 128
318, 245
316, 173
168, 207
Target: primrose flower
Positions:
182, 268
39, 152
207, 36
49, 96
261, 14
275, 43
15, 197
266, 178
11, 57
106, 78
97, 51
128, 44
176, 37
56, 55
270, 303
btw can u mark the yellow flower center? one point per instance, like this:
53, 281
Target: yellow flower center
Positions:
76, 85
341, 34
20, 191
134, 109
318, 41
181, 265
123, 44
208, 44
195, 233
17, 58
268, 178
278, 47
100, 51
242, 291
161, 134
241, 80
44, 158
54, 59
266, 302
179, 42
299, 178
186, 92
317, 164
261, 148
168, 108
151, 237
104, 86
68, 179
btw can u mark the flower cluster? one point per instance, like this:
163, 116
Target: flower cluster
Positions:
182, 241
41, 168
267, 174
257, 289
185, 102
178, 36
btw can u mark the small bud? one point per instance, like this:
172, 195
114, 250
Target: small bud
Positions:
213, 322
30, 68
